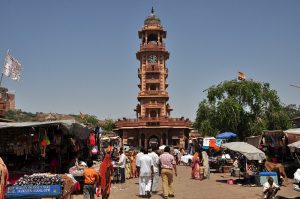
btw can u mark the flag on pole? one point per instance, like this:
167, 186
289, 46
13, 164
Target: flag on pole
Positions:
241, 76
83, 117
12, 67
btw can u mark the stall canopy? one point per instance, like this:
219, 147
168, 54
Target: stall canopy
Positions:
70, 127
293, 135
249, 151
226, 135
294, 146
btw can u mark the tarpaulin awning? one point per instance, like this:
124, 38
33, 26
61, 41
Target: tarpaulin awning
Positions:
293, 131
71, 127
226, 135
249, 151
294, 146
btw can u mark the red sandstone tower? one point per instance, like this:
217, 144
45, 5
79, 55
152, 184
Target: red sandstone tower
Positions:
153, 125
153, 71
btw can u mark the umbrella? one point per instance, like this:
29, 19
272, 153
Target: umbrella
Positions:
162, 147
226, 135
249, 151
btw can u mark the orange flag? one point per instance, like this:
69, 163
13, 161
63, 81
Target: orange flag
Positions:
241, 76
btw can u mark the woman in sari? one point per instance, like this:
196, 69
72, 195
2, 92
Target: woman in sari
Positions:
133, 164
205, 163
196, 166
128, 172
105, 173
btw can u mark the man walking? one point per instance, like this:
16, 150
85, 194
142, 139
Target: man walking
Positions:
155, 160
90, 178
122, 164
140, 154
167, 164
145, 171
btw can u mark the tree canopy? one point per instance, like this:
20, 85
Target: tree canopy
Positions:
243, 107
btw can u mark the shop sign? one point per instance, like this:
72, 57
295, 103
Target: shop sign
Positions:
33, 191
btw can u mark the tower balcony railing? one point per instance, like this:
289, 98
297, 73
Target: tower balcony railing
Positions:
152, 68
153, 105
162, 121
153, 93
152, 80
153, 46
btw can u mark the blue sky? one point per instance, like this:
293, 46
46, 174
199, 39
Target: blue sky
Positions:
80, 55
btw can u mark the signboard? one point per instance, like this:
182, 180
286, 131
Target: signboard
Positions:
33, 191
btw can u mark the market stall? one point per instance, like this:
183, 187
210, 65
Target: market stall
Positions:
295, 150
38, 147
274, 144
250, 158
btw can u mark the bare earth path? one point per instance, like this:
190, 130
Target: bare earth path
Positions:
186, 188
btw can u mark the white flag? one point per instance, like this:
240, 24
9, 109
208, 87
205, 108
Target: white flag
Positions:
12, 67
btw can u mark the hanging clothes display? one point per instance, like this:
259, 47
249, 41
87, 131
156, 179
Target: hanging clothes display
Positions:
219, 142
92, 139
205, 143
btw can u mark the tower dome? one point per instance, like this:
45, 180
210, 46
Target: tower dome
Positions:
152, 18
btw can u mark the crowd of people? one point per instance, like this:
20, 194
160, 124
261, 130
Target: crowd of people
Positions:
149, 166
146, 165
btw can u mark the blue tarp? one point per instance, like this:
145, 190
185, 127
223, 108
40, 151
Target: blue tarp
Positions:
226, 135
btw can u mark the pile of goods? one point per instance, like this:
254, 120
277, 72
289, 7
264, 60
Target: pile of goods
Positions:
297, 180
40, 179
78, 169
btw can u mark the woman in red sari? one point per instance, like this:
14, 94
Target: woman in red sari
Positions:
105, 173
196, 167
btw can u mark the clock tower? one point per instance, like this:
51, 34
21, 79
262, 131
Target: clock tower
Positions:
153, 125
153, 72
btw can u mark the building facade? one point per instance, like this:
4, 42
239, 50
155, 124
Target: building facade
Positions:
7, 101
153, 124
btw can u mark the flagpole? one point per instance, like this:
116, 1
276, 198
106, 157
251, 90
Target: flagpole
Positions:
3, 66
1, 79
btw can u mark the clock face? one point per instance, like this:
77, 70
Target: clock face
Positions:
152, 59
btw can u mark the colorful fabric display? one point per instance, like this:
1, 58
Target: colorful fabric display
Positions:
212, 144
92, 139
219, 142
205, 143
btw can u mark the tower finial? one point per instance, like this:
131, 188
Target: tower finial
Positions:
152, 10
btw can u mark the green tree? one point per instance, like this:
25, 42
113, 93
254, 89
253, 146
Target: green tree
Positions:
108, 125
293, 110
243, 107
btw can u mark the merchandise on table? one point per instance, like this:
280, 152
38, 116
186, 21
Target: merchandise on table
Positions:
40, 179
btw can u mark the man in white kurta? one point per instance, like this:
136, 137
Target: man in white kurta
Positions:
140, 154
145, 170
155, 179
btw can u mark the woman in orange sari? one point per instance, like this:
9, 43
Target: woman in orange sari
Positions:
196, 167
133, 164
105, 173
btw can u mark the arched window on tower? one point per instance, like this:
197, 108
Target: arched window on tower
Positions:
153, 114
153, 38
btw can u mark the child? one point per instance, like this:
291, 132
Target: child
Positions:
90, 178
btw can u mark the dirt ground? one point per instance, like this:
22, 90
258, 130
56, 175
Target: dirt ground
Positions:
186, 188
